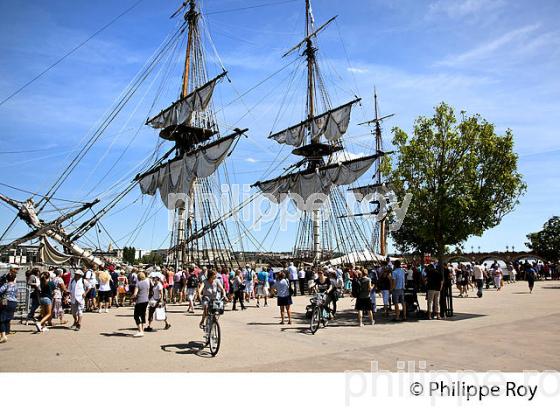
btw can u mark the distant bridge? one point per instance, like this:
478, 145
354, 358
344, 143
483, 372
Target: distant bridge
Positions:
480, 257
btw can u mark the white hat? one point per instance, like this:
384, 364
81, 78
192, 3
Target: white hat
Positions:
78, 272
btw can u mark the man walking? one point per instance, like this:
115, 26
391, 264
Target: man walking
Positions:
293, 276
78, 289
398, 290
434, 284
478, 272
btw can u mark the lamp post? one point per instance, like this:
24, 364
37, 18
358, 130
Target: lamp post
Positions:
472, 249
479, 249
507, 248
513, 248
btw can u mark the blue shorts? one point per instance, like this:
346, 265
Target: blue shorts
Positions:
398, 296
45, 301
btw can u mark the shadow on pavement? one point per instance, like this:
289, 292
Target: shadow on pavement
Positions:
117, 334
193, 347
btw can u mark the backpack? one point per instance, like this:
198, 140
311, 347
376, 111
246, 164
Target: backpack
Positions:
356, 287
192, 281
249, 277
3, 279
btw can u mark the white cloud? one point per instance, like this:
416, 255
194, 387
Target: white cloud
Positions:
357, 70
490, 48
251, 160
462, 8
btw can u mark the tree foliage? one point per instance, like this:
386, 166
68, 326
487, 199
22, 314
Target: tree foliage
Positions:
129, 255
546, 243
153, 258
463, 177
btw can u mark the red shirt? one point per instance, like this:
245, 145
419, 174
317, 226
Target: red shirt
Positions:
66, 276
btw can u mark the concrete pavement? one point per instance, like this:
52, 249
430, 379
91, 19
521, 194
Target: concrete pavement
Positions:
509, 330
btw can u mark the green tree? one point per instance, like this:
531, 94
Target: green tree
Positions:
129, 255
546, 243
153, 258
463, 177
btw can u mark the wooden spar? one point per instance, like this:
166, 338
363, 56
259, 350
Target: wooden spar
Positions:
189, 16
180, 245
52, 230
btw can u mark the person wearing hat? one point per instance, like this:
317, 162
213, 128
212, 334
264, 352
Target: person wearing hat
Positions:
78, 289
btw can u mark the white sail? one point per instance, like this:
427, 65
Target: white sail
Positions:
180, 112
303, 187
292, 136
332, 124
178, 175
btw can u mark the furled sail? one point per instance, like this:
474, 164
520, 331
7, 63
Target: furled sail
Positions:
177, 176
180, 112
48, 254
362, 191
332, 124
301, 186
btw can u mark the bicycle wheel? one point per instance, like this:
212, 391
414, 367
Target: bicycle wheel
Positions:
325, 318
215, 337
315, 319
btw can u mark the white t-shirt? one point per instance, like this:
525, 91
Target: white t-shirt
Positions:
301, 274
478, 272
105, 287
156, 289
77, 290
293, 272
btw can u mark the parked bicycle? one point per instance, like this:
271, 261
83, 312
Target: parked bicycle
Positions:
212, 332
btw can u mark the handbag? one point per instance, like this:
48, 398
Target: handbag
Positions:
160, 314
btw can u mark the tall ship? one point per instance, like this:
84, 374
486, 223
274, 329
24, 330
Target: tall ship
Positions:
183, 177
316, 182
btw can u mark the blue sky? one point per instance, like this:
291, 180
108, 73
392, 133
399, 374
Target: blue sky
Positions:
497, 58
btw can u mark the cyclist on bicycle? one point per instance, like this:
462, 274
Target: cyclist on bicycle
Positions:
324, 285
210, 289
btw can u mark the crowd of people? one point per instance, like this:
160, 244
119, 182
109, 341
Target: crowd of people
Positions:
55, 292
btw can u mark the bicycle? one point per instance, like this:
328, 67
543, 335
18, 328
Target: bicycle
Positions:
318, 312
212, 332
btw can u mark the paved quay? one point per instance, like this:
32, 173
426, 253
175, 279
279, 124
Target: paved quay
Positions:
510, 330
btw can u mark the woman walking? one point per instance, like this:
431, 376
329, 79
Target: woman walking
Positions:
59, 290
530, 274
140, 296
238, 287
45, 301
498, 278
155, 301
105, 281
8, 305
122, 287
284, 300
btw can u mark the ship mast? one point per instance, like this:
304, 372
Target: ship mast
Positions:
379, 235
180, 251
379, 147
310, 57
